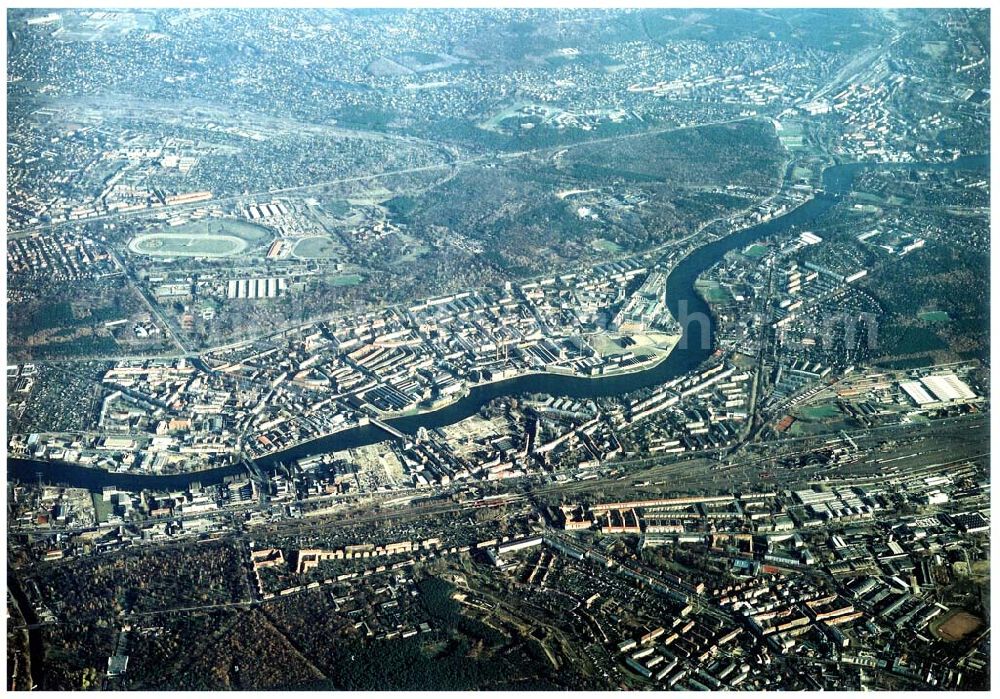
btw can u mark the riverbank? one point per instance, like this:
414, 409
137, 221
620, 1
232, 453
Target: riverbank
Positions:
29, 468
684, 357
643, 366
96, 479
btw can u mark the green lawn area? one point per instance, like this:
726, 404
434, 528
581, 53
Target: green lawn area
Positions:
791, 141
935, 49
755, 251
865, 196
605, 245
102, 509
187, 245
212, 237
804, 428
819, 412
348, 280
316, 248
493, 123
712, 292
934, 316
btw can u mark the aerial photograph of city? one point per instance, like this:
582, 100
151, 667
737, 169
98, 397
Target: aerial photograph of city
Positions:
506, 349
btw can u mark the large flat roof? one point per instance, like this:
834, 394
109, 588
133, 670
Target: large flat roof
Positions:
948, 387
915, 391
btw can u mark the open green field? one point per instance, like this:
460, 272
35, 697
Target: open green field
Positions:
755, 251
101, 508
186, 245
204, 238
347, 280
867, 197
935, 49
819, 412
934, 316
494, 122
791, 141
317, 248
805, 428
712, 292
605, 245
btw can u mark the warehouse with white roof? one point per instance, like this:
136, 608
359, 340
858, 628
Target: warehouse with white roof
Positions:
938, 390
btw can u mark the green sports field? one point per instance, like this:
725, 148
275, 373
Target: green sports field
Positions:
315, 248
186, 245
210, 237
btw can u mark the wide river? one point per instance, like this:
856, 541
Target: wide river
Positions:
837, 181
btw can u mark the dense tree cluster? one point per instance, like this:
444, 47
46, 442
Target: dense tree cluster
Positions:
143, 580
